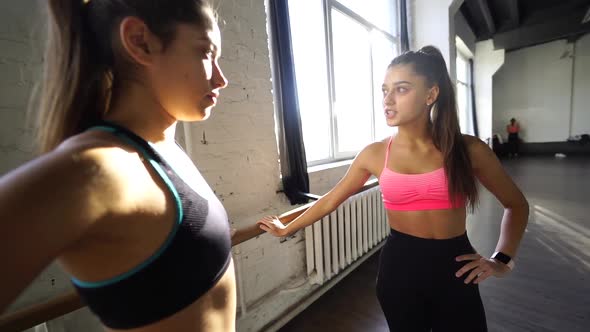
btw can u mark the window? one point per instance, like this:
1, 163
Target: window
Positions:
341, 49
464, 94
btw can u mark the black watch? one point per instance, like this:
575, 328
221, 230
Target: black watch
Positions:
503, 258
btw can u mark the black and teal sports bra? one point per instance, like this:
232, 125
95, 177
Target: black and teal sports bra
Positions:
193, 258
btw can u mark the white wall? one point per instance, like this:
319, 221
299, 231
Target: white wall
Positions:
20, 60
431, 26
535, 86
485, 63
581, 104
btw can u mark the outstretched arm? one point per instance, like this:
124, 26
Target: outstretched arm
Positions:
355, 178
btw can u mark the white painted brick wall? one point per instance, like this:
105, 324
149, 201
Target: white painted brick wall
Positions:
240, 161
20, 60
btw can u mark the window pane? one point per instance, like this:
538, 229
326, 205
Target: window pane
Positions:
462, 69
309, 52
379, 12
353, 104
462, 107
384, 51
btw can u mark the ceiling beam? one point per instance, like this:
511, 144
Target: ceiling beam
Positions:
487, 16
560, 9
513, 12
530, 35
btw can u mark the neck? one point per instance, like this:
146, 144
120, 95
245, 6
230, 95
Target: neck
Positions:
415, 132
136, 109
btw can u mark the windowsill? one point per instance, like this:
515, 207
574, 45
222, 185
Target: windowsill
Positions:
330, 165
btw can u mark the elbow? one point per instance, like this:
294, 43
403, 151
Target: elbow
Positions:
329, 203
520, 208
324, 206
525, 211
524, 206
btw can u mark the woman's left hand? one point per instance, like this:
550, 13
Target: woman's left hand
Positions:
272, 225
481, 268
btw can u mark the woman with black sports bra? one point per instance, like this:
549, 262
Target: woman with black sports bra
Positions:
428, 271
112, 196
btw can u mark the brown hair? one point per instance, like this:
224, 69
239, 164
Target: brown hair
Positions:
79, 62
446, 134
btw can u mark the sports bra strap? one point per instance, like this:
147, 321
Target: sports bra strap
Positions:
387, 152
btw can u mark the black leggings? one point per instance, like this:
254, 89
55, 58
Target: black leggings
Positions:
418, 290
513, 142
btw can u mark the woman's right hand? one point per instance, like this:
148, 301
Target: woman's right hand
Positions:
272, 225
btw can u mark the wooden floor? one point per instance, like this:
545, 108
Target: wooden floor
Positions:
548, 291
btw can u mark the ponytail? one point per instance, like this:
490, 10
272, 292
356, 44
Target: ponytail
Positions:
74, 86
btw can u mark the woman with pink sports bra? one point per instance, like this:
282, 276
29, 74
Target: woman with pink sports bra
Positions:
428, 172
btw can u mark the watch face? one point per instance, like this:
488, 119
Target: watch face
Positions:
502, 257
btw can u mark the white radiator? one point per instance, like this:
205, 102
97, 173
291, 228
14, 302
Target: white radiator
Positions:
339, 239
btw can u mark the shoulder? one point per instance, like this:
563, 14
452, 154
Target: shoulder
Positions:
474, 144
374, 150
377, 147
62, 194
479, 152
371, 157
90, 171
89, 151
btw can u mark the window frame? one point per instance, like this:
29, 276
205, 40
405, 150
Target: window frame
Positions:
328, 6
468, 85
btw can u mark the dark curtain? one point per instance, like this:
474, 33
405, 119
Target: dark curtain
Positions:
292, 149
403, 15
473, 112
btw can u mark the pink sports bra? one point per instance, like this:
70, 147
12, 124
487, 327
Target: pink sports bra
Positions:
414, 192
